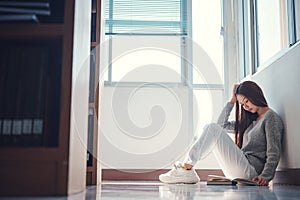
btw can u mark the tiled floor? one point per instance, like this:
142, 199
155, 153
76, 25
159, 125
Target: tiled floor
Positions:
155, 190
146, 191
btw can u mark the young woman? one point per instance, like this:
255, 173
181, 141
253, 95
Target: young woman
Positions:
258, 133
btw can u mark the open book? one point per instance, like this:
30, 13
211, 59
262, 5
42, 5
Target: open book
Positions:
221, 180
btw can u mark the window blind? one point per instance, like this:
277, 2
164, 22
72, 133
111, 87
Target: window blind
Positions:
145, 17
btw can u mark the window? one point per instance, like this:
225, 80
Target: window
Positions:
169, 41
145, 39
208, 77
164, 63
265, 27
271, 28
159, 41
145, 59
207, 34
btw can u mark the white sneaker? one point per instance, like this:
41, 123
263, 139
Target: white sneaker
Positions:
180, 175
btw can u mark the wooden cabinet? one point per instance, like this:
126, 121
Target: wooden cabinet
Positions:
43, 149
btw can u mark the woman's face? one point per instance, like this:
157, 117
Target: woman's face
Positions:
246, 103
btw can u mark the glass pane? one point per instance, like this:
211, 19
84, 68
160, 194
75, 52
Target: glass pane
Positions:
146, 59
208, 48
207, 106
297, 19
271, 28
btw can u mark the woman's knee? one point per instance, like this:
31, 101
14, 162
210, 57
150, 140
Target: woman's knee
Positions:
212, 129
212, 126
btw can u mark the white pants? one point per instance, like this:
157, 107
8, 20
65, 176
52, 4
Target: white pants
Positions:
230, 158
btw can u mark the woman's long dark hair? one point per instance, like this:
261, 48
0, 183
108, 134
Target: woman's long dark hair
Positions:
244, 118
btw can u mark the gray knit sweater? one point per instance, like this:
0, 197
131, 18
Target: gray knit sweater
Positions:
262, 141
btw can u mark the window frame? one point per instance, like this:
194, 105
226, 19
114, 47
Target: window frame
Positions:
248, 49
184, 73
186, 52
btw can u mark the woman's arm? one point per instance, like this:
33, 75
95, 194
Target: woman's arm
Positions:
273, 132
224, 116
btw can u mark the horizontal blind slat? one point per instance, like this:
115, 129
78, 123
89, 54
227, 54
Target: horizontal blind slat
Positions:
145, 16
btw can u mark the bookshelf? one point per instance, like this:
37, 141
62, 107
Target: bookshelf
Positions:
42, 144
28, 77
93, 176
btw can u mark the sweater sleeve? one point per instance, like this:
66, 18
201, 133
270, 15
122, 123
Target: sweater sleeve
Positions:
273, 131
223, 118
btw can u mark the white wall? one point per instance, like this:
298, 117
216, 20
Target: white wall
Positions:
143, 128
147, 128
280, 82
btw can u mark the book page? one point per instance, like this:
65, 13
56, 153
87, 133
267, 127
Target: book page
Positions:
245, 181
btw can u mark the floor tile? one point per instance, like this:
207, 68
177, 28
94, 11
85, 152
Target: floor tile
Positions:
125, 190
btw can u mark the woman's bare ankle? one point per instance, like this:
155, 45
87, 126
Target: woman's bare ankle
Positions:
187, 166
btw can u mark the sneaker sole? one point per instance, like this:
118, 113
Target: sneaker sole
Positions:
178, 180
